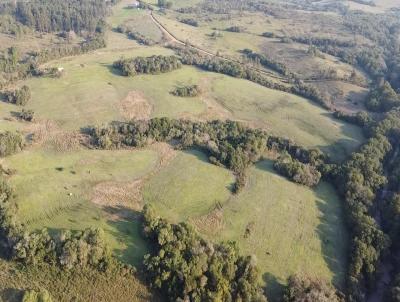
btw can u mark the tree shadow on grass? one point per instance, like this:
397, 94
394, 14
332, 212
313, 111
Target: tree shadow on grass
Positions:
126, 229
112, 69
11, 295
333, 237
273, 288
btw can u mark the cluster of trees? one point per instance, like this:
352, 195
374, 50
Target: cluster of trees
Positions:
9, 60
36, 296
227, 143
164, 4
187, 91
59, 15
268, 63
361, 118
10, 143
303, 288
19, 97
298, 172
237, 70
359, 180
322, 41
68, 250
382, 98
147, 65
236, 29
134, 35
190, 21
185, 267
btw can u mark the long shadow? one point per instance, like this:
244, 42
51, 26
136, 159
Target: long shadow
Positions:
333, 243
332, 233
273, 288
127, 225
112, 69
11, 294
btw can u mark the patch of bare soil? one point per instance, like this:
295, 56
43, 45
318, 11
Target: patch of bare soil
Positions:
211, 223
48, 134
135, 106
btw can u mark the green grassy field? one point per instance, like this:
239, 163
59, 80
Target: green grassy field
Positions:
55, 190
188, 186
293, 228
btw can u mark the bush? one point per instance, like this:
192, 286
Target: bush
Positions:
26, 115
191, 22
147, 65
298, 172
36, 296
235, 29
10, 143
20, 96
187, 91
301, 289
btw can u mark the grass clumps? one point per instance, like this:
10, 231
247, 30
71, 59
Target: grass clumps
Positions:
147, 65
296, 171
10, 143
36, 296
186, 267
187, 91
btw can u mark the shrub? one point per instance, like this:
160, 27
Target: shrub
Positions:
235, 29
304, 174
36, 296
26, 115
10, 143
147, 65
191, 22
300, 289
19, 96
187, 91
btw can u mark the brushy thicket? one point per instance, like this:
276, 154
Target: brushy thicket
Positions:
10, 143
186, 267
187, 91
149, 65
19, 97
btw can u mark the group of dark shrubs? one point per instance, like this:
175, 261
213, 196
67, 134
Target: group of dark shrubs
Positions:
10, 143
134, 35
19, 97
186, 91
227, 143
190, 21
185, 267
147, 65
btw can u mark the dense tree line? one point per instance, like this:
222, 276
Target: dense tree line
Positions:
187, 91
305, 289
359, 180
10, 143
298, 172
268, 63
70, 250
185, 267
227, 143
60, 15
147, 65
237, 70
134, 35
382, 98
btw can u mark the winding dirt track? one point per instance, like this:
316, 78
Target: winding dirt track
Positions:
174, 39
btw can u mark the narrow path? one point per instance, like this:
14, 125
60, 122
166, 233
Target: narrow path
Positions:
174, 39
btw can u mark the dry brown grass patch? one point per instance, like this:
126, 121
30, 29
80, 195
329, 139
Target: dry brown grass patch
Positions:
135, 106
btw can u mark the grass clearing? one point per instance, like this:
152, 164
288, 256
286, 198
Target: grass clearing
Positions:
53, 190
188, 186
293, 228
287, 115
